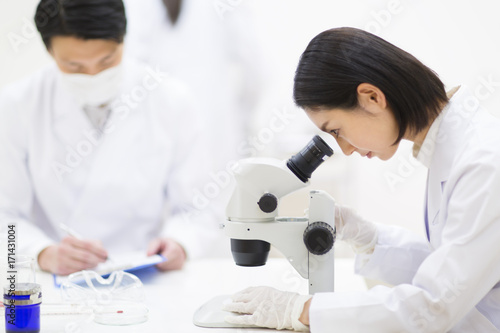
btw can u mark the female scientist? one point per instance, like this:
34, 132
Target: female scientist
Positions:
370, 95
101, 146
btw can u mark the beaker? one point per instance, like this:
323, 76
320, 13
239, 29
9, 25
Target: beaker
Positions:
21, 295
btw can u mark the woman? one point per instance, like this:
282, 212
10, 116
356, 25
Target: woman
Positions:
370, 95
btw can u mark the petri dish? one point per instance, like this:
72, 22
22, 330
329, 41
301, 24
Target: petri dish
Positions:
121, 313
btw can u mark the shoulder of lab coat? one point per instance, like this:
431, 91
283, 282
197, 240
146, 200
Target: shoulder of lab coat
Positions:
462, 267
16, 193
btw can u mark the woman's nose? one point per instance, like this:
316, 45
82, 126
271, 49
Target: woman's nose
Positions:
346, 147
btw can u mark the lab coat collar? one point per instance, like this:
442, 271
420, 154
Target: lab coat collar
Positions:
448, 144
424, 153
461, 109
452, 132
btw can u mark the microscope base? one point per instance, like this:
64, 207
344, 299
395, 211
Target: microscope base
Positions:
211, 315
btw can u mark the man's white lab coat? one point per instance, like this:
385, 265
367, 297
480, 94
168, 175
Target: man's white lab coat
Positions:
56, 168
447, 284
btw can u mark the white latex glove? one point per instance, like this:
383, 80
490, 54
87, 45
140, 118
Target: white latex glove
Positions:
362, 235
268, 307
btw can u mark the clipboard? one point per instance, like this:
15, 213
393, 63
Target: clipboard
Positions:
127, 262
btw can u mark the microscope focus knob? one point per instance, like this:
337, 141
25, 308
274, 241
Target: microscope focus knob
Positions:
319, 238
268, 203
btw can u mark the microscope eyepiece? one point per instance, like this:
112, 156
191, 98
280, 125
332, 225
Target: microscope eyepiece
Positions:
309, 158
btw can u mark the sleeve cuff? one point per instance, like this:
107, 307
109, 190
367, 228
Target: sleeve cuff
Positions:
297, 312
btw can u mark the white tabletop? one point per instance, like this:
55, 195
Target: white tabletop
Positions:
173, 297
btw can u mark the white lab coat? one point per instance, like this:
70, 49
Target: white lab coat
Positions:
214, 49
447, 284
55, 169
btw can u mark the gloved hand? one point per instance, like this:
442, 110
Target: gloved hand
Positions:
362, 235
268, 307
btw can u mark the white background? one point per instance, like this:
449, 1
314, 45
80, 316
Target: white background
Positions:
457, 39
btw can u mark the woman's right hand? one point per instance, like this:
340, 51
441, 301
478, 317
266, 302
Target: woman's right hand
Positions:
71, 255
361, 234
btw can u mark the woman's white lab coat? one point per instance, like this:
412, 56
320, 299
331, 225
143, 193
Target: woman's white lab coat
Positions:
450, 283
55, 168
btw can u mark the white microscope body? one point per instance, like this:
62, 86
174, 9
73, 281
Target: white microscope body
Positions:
253, 221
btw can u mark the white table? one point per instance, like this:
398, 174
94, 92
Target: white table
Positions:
173, 297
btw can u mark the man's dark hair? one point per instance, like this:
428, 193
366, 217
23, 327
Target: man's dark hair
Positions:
85, 19
338, 60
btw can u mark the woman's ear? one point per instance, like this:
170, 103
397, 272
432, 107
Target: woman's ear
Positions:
370, 96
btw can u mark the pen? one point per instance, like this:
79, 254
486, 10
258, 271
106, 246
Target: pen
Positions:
69, 231
73, 233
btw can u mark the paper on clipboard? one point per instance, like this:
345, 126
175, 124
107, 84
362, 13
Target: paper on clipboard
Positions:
125, 262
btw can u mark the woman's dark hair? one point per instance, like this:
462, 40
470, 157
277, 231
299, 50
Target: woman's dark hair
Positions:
85, 19
338, 60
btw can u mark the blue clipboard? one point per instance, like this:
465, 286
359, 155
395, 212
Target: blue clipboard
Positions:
107, 268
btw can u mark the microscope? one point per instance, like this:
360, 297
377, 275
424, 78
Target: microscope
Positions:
253, 223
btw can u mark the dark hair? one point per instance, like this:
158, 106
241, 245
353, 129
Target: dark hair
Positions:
173, 8
85, 19
338, 60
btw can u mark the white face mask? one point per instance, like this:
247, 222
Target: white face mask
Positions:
94, 90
